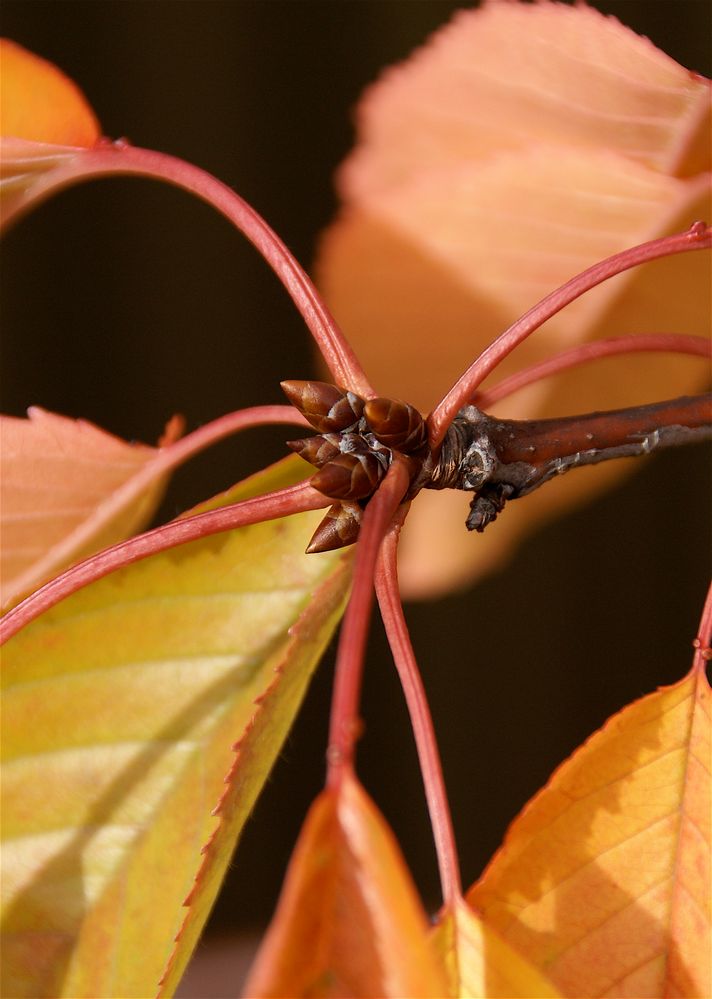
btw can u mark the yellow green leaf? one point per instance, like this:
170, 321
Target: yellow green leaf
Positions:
349, 922
603, 881
121, 707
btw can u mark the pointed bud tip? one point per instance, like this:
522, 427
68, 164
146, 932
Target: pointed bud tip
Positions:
327, 407
317, 450
320, 543
339, 528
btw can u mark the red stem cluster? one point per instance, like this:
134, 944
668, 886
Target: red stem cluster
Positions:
281, 503
697, 237
379, 522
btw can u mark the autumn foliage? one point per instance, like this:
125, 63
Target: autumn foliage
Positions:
150, 680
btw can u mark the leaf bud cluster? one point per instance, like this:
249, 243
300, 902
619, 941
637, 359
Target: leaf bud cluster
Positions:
353, 450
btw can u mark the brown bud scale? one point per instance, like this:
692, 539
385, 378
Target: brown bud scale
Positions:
317, 450
396, 424
327, 407
350, 476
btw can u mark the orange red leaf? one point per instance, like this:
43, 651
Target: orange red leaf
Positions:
512, 76
45, 122
348, 921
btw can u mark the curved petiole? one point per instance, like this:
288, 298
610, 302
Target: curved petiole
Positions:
585, 353
421, 720
703, 643
697, 237
344, 724
166, 458
281, 503
121, 159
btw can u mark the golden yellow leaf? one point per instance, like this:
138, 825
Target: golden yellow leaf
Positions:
603, 881
480, 965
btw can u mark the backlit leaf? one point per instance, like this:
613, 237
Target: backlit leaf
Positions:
67, 489
121, 707
490, 168
480, 965
511, 76
348, 922
603, 881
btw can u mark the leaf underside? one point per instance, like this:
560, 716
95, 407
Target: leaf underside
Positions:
68, 489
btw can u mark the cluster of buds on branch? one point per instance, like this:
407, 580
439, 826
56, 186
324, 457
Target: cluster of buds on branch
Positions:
497, 460
353, 450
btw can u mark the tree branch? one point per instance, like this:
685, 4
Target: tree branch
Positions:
505, 459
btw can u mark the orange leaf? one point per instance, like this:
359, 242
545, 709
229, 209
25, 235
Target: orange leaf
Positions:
349, 921
603, 881
68, 490
38, 102
491, 167
480, 965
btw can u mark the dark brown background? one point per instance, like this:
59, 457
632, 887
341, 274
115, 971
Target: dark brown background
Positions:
125, 301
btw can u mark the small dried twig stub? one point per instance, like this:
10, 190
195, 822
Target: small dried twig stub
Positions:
497, 460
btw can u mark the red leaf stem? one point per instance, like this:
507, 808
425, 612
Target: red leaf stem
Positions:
223, 426
697, 237
166, 458
120, 158
703, 642
198, 440
421, 720
344, 724
281, 503
585, 353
